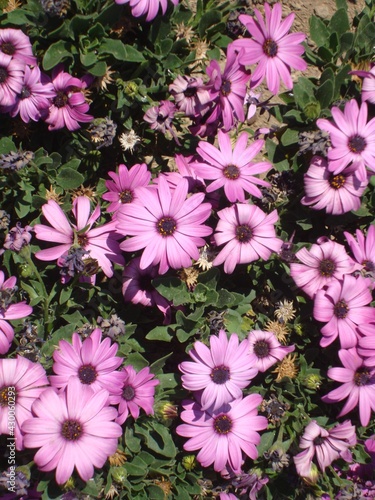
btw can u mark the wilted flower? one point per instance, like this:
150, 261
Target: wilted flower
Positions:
160, 117
286, 368
15, 160
112, 327
284, 311
102, 132
17, 237
128, 140
57, 8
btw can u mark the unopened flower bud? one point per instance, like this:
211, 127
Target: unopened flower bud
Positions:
313, 381
189, 462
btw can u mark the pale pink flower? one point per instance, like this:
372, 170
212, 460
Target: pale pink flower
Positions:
21, 383
147, 7
335, 193
11, 79
352, 138
343, 306
363, 249
14, 43
323, 263
223, 435
265, 350
358, 385
190, 94
230, 168
366, 344
137, 391
271, 47
325, 445
221, 371
73, 429
368, 84
9, 311
248, 234
167, 225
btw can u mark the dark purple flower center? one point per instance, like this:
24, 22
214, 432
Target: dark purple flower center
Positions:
3, 75
362, 377
318, 440
128, 393
337, 181
87, 374
190, 92
145, 283
60, 100
261, 348
166, 226
71, 430
356, 144
244, 233
126, 196
8, 48
231, 172
220, 374
25, 93
161, 118
222, 424
327, 267
225, 88
270, 48
4, 396
368, 265
341, 309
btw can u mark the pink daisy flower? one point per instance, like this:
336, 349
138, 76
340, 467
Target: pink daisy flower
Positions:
223, 435
137, 391
248, 234
336, 194
9, 311
366, 344
73, 429
147, 7
324, 445
21, 383
167, 225
137, 288
14, 43
121, 189
99, 243
221, 371
271, 47
265, 350
190, 94
363, 248
230, 168
321, 265
92, 362
11, 79
343, 306
358, 385
352, 138
160, 117
368, 84
69, 106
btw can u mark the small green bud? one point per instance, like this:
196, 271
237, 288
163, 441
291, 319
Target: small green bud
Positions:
189, 462
131, 89
119, 474
312, 110
313, 381
298, 329
25, 270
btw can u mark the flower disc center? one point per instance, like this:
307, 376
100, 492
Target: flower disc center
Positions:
3, 75
270, 48
261, 349
87, 374
337, 181
222, 424
25, 93
71, 430
220, 374
361, 377
341, 309
126, 196
60, 100
327, 267
8, 48
357, 144
166, 226
244, 233
128, 393
226, 87
231, 172
4, 396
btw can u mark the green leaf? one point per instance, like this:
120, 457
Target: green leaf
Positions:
158, 439
163, 333
113, 47
266, 441
318, 31
157, 366
342, 4
289, 137
339, 22
208, 19
99, 69
68, 178
133, 55
56, 53
7, 145
324, 94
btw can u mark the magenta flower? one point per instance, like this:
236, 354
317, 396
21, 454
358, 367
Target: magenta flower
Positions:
69, 106
74, 428
167, 225
137, 391
137, 288
358, 385
21, 383
265, 350
363, 248
273, 50
223, 435
366, 344
337, 194
343, 306
368, 84
221, 371
321, 265
232, 169
230, 88
92, 362
11, 79
14, 43
249, 234
325, 446
147, 7
99, 243
122, 186
190, 94
352, 138
9, 311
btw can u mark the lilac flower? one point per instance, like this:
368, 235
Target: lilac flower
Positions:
363, 248
17, 237
249, 234
358, 385
320, 266
232, 169
343, 306
324, 445
190, 94
273, 50
149, 7
121, 189
265, 350
160, 117
352, 138
69, 106
249, 484
336, 193
167, 225
221, 371
11, 79
223, 435
366, 344
14, 43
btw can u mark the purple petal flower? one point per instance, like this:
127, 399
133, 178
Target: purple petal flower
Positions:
14, 43
363, 249
265, 350
190, 94
147, 7
11, 79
